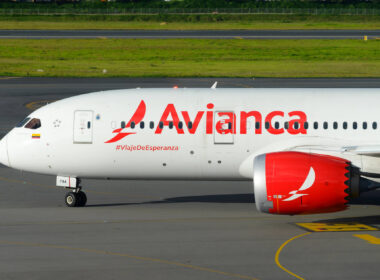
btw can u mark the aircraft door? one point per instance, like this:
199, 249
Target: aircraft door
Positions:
83, 123
225, 127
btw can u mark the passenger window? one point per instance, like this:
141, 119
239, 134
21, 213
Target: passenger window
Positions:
364, 125
170, 125
374, 125
325, 125
276, 125
88, 125
354, 125
286, 125
151, 125
229, 125
23, 122
180, 125
344, 125
296, 125
33, 124
133, 124
306, 125
335, 125
190, 125
315, 125
161, 125
122, 124
257, 125
142, 125
266, 125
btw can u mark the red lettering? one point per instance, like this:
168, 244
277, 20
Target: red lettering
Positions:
269, 118
228, 125
196, 121
169, 110
302, 118
243, 121
209, 119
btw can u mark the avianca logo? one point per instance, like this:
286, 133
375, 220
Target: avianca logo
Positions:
136, 118
225, 122
309, 181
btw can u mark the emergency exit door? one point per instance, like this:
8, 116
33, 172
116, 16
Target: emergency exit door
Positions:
83, 124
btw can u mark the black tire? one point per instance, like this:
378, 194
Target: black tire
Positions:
71, 199
82, 199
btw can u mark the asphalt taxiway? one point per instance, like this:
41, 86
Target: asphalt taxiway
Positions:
190, 34
170, 229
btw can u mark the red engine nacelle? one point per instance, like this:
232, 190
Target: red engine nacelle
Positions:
301, 183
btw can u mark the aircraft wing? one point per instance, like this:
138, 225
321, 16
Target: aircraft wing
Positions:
371, 150
362, 150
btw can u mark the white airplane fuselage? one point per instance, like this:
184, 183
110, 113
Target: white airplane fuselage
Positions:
83, 136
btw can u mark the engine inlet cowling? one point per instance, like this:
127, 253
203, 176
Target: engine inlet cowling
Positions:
302, 183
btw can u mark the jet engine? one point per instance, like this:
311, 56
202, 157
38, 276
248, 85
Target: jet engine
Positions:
301, 183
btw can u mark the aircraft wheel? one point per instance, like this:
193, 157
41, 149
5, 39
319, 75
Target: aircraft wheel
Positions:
71, 199
82, 198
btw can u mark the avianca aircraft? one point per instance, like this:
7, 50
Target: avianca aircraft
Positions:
305, 150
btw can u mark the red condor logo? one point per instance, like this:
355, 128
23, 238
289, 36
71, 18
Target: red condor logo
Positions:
170, 115
136, 118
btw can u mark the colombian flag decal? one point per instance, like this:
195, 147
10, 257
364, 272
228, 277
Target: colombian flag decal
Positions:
36, 136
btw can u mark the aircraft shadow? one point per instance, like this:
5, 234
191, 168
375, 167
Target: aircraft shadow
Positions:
363, 220
370, 198
219, 198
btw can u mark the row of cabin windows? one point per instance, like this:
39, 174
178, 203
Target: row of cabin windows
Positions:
325, 125
160, 124
315, 125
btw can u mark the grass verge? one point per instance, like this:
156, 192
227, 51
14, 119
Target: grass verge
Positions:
189, 58
187, 22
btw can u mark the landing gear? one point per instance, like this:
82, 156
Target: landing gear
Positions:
82, 199
74, 198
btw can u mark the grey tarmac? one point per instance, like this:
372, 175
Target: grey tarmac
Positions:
168, 229
190, 34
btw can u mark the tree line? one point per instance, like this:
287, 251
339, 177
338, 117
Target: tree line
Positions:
201, 3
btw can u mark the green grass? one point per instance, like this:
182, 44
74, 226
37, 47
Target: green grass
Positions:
190, 22
190, 58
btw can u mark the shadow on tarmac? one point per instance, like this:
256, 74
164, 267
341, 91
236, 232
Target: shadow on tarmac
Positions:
370, 198
219, 198
363, 220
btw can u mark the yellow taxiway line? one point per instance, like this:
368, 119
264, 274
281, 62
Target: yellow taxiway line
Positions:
331, 227
369, 238
276, 258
